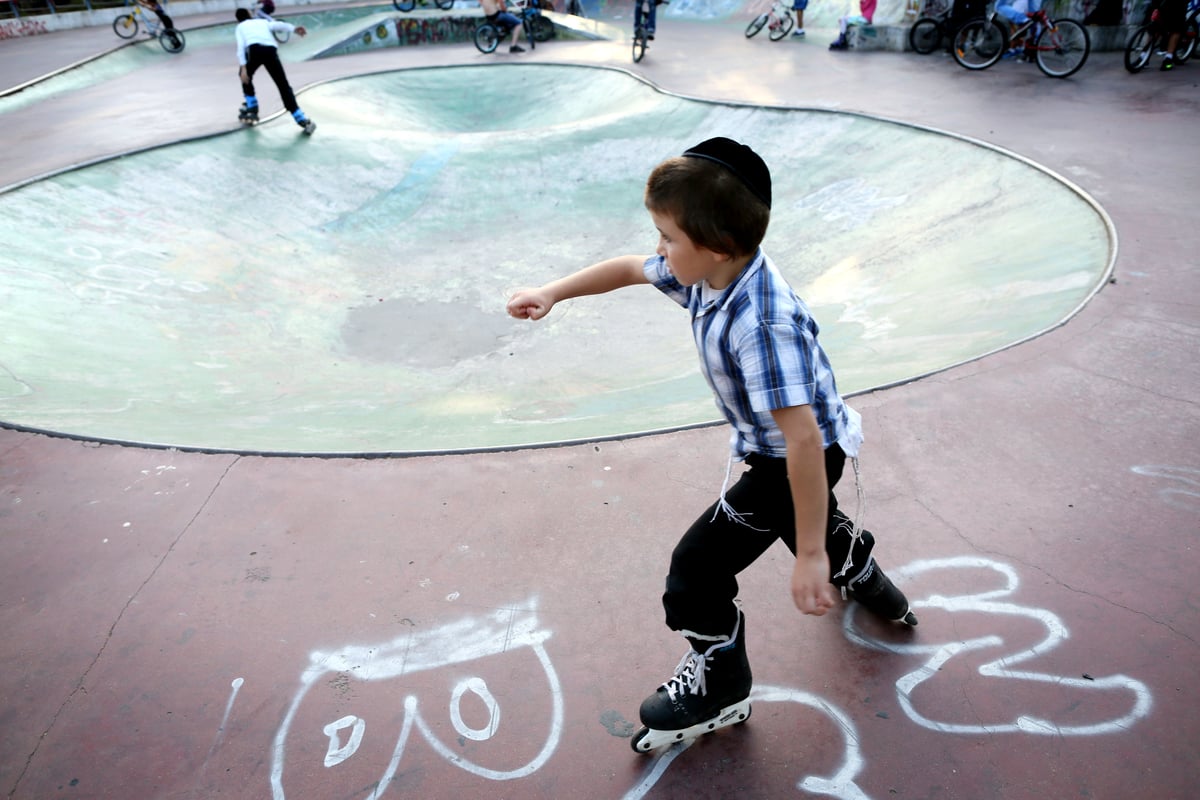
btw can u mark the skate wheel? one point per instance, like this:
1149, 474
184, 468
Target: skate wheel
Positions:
639, 743
910, 619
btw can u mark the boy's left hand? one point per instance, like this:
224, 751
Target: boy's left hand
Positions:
811, 590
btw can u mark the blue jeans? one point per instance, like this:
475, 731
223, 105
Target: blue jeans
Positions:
1017, 17
651, 18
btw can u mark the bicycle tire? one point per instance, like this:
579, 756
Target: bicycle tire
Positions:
639, 44
925, 35
404, 5
1139, 49
281, 36
1062, 48
125, 26
979, 43
172, 40
1188, 44
543, 28
486, 37
756, 25
444, 5
782, 29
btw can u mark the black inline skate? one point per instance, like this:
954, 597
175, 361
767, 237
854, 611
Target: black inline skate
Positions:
710, 691
876, 592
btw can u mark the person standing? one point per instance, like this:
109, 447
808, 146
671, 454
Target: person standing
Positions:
257, 47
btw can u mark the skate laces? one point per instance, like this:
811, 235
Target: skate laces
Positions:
689, 676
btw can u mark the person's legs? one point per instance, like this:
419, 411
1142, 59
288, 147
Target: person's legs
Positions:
798, 6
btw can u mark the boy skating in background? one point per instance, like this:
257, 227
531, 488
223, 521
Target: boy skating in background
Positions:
773, 383
256, 48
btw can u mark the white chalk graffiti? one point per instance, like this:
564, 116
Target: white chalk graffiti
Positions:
475, 713
1185, 496
840, 785
502, 632
988, 602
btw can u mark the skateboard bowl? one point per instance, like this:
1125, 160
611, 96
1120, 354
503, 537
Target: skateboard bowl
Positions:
264, 292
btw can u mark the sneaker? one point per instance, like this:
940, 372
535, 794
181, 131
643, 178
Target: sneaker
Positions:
840, 44
516, 48
798, 33
876, 592
1168, 63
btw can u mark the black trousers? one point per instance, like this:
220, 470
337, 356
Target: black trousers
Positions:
267, 57
702, 582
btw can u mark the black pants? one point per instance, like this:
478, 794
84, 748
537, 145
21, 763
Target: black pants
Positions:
262, 55
702, 582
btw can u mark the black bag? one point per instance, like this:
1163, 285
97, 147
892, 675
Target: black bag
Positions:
1106, 12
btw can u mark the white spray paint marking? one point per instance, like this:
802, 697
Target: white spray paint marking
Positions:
1185, 496
338, 752
462, 642
841, 784
987, 603
236, 685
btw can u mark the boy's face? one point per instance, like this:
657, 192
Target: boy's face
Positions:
686, 260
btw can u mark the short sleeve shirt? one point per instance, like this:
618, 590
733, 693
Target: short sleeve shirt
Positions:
759, 352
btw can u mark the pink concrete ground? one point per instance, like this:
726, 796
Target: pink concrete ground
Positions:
184, 626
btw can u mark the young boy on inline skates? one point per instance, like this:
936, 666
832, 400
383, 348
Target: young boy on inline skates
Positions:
759, 352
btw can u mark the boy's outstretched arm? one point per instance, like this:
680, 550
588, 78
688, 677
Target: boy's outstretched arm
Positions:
811, 590
605, 276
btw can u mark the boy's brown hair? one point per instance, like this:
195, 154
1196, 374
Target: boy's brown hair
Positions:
709, 202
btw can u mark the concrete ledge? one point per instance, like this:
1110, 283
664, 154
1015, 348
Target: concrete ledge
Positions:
895, 37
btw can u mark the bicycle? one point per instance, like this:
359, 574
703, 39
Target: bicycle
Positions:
641, 34
778, 21
537, 29
1150, 38
126, 26
931, 27
409, 5
1060, 46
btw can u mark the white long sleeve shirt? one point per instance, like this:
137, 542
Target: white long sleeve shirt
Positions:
258, 31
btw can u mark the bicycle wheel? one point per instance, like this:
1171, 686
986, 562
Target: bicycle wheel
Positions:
1062, 48
444, 5
1139, 50
782, 29
925, 35
487, 36
543, 28
125, 26
172, 40
281, 36
1187, 42
405, 5
979, 44
756, 25
639, 44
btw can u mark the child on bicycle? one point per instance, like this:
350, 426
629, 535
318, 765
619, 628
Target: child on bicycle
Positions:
159, 11
499, 15
1171, 16
772, 381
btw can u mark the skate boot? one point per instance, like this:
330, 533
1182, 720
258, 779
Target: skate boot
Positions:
308, 127
876, 592
710, 690
248, 115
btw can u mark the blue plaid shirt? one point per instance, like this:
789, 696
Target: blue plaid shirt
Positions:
759, 351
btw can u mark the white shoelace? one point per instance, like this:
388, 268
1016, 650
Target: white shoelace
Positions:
689, 676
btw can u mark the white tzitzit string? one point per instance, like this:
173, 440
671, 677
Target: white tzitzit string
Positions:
723, 504
856, 526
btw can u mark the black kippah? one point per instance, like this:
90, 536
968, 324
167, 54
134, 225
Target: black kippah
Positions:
738, 159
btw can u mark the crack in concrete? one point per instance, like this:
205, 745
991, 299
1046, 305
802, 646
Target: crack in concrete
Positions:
80, 685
